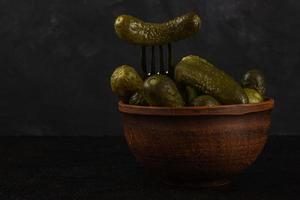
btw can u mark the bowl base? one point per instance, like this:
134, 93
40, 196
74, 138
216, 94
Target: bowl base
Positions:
198, 184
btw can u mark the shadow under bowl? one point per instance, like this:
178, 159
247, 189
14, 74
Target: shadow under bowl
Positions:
197, 146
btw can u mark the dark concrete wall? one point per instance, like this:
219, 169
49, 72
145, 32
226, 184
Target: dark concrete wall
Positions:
56, 57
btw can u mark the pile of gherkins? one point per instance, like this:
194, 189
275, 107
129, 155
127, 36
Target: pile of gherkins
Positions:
194, 82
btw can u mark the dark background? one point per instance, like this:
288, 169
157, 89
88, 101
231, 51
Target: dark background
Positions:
56, 57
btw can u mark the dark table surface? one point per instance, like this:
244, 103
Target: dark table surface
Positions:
103, 168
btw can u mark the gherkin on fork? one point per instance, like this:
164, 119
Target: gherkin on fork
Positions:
155, 36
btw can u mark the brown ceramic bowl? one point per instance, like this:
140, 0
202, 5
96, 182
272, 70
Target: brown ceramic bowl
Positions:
197, 146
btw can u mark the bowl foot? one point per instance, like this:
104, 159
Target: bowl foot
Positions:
197, 184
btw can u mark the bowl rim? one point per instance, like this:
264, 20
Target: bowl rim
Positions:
235, 109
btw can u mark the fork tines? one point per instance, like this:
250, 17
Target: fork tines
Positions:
157, 66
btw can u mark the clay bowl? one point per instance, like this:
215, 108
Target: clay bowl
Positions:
197, 146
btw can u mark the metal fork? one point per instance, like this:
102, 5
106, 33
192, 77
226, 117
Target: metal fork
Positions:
162, 68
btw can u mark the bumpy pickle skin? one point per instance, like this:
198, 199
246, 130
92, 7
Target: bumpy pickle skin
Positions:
160, 90
125, 81
195, 71
136, 31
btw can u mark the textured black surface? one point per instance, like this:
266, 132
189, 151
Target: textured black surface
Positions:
56, 57
103, 168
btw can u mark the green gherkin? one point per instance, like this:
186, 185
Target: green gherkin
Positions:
136, 31
204, 100
138, 99
190, 93
195, 71
125, 81
160, 90
254, 79
253, 95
